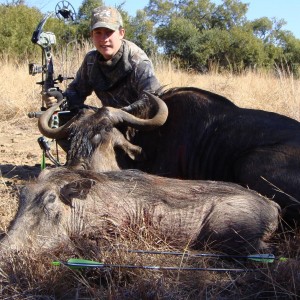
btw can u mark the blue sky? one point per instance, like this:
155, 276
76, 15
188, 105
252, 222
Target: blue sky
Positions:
289, 10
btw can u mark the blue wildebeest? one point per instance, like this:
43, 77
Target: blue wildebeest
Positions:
205, 136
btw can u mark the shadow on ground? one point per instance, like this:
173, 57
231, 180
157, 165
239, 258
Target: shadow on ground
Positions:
21, 172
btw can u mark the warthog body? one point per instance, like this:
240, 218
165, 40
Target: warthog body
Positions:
63, 203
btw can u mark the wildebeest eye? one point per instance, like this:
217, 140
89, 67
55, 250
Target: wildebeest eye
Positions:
96, 139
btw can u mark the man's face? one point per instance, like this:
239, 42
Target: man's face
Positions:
107, 41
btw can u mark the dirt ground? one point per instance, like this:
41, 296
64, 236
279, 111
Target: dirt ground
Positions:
20, 161
21, 155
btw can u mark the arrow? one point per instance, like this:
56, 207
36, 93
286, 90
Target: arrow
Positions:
77, 263
266, 258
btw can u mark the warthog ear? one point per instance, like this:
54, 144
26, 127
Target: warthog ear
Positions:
76, 189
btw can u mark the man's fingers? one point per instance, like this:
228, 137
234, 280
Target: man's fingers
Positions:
49, 101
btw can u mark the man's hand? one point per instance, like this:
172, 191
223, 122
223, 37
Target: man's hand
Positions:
52, 97
49, 100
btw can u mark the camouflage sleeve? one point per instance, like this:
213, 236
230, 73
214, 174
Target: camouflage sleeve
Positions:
144, 79
79, 88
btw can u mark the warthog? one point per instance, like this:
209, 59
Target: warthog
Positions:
63, 203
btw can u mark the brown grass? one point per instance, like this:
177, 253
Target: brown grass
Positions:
31, 276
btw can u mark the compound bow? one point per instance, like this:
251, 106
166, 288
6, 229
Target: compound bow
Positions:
64, 11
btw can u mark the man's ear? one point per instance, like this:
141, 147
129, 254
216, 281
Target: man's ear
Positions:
76, 189
122, 32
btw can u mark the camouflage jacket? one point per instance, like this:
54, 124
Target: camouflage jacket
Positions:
118, 82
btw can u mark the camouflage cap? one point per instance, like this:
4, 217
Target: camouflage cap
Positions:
107, 17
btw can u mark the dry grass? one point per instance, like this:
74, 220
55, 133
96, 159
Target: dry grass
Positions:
257, 90
31, 276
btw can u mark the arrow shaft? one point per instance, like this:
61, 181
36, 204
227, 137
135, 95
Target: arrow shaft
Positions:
94, 265
188, 254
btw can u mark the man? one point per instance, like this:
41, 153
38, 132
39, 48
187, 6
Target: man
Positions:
118, 71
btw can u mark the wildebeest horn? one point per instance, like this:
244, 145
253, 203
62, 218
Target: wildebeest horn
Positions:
120, 116
53, 133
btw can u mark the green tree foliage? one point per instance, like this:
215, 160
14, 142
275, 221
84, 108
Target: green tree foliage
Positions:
262, 28
229, 14
140, 30
244, 51
180, 40
200, 33
289, 56
17, 24
160, 11
84, 15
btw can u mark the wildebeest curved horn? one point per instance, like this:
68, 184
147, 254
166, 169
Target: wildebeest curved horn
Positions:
53, 133
120, 116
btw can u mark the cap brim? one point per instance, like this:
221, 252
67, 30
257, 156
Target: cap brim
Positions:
113, 27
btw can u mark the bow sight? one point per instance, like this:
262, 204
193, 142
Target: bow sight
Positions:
63, 11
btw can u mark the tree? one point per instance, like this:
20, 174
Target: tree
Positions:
85, 9
200, 12
229, 14
140, 30
262, 28
289, 58
199, 33
180, 40
160, 12
17, 24
84, 16
192, 31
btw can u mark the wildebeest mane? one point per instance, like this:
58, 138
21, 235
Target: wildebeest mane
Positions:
81, 137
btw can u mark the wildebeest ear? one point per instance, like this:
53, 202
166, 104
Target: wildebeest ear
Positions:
136, 153
76, 189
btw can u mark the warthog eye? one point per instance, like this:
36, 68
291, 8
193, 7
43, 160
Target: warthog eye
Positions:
51, 198
44, 198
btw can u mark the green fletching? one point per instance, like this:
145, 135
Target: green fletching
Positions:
264, 258
80, 261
